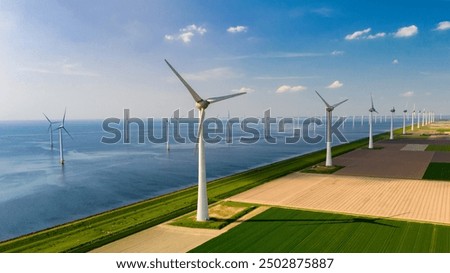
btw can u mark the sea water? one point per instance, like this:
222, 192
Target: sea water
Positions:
37, 192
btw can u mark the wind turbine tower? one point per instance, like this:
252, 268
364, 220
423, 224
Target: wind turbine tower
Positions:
201, 105
371, 110
329, 108
404, 120
50, 130
418, 119
61, 146
392, 123
413, 116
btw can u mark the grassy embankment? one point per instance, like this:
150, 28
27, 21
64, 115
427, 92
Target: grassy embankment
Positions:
280, 230
95, 231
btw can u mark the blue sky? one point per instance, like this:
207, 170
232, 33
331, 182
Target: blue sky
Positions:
98, 57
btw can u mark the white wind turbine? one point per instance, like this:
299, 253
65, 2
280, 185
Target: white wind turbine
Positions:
201, 104
61, 146
413, 114
392, 123
418, 119
50, 130
404, 119
329, 109
371, 110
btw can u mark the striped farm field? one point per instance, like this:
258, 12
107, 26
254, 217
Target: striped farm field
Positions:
280, 230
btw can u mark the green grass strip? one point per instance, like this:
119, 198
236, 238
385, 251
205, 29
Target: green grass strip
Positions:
92, 232
279, 230
214, 223
438, 148
437, 171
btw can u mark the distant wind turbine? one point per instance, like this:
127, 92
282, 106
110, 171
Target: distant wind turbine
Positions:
201, 104
404, 119
168, 134
413, 116
329, 108
50, 130
371, 110
61, 146
392, 123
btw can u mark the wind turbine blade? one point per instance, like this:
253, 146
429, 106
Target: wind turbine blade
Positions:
216, 99
326, 103
47, 118
194, 94
337, 104
64, 117
371, 100
67, 132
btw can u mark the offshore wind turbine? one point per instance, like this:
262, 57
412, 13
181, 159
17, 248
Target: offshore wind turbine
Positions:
50, 130
168, 134
392, 123
371, 110
329, 108
201, 105
61, 146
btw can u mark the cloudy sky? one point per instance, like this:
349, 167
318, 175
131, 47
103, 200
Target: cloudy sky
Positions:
98, 57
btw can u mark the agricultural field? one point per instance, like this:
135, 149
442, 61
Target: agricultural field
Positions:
280, 230
438, 171
438, 148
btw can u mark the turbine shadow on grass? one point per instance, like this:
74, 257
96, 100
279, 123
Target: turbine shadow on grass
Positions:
331, 221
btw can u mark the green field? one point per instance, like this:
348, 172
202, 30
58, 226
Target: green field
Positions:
437, 171
279, 230
438, 148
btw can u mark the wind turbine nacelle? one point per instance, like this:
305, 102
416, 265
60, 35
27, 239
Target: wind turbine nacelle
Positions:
203, 104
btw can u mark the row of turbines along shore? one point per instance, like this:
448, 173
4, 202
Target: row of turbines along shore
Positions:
420, 118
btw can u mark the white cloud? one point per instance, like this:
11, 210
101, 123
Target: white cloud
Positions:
244, 89
237, 29
405, 32
376, 36
337, 53
287, 88
395, 61
186, 34
407, 94
444, 25
364, 35
357, 34
335, 85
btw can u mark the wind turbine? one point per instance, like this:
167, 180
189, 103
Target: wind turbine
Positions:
392, 123
413, 113
404, 119
418, 119
61, 146
371, 110
329, 109
50, 130
168, 134
201, 104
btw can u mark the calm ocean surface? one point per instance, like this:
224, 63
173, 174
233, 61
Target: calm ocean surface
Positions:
36, 192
